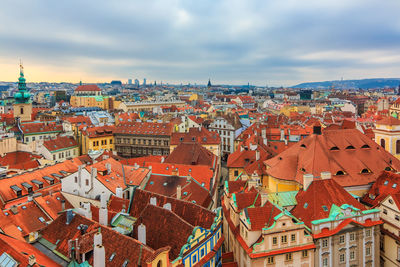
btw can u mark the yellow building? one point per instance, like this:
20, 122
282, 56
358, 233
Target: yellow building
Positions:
90, 96
394, 109
97, 138
387, 135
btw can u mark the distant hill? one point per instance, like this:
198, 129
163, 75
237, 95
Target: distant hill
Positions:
352, 84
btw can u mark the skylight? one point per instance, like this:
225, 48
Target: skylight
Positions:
325, 208
305, 205
394, 185
386, 182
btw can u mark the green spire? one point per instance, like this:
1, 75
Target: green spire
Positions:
22, 96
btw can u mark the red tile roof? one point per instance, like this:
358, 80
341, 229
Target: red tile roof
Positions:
20, 160
100, 131
40, 127
162, 229
87, 87
321, 192
387, 183
20, 251
201, 136
144, 128
60, 142
124, 247
191, 154
51, 204
261, 217
389, 121
78, 120
345, 150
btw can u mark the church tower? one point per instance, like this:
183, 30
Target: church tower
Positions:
22, 106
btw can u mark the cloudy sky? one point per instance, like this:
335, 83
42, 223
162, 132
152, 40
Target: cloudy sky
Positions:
263, 42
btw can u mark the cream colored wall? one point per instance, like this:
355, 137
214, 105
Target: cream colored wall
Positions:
8, 144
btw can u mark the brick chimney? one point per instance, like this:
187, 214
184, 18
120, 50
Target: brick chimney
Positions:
118, 192
32, 260
307, 180
142, 233
178, 192
326, 175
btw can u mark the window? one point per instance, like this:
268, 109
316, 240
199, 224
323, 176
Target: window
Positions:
194, 259
325, 262
76, 179
367, 251
352, 255
110, 141
304, 253
383, 143
341, 239
54, 157
398, 147
398, 253
293, 237
202, 252
368, 232
270, 260
324, 243
385, 211
284, 239
94, 143
22, 110
87, 182
288, 257
352, 236
236, 173
397, 217
274, 240
342, 258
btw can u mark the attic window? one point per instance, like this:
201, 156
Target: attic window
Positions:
305, 205
303, 145
340, 173
41, 219
325, 208
386, 182
394, 185
302, 169
365, 146
388, 168
112, 257
181, 139
334, 148
125, 263
365, 171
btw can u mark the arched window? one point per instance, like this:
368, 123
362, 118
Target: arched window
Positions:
383, 144
340, 173
22, 110
398, 147
159, 263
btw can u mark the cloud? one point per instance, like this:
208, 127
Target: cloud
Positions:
231, 41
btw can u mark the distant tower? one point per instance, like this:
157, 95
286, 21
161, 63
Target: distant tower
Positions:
398, 90
22, 106
129, 81
209, 83
144, 81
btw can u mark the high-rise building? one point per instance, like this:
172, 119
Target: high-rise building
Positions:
129, 81
144, 81
136, 82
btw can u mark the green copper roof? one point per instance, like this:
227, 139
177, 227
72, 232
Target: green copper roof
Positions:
22, 96
283, 199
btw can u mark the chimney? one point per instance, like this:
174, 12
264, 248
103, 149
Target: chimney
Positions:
136, 166
241, 148
103, 200
251, 183
307, 180
32, 260
264, 198
317, 129
98, 239
162, 159
80, 167
62, 204
282, 134
178, 192
30, 197
257, 154
142, 233
103, 216
326, 175
264, 133
153, 201
14, 209
93, 174
118, 192
108, 166
99, 258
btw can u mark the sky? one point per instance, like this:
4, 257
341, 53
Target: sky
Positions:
263, 42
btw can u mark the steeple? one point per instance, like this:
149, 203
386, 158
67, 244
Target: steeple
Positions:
23, 95
209, 83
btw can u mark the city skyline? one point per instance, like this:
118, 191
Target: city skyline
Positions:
275, 44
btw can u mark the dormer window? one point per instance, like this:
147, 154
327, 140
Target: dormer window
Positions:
365, 146
350, 147
334, 148
365, 171
386, 182
388, 169
340, 173
303, 145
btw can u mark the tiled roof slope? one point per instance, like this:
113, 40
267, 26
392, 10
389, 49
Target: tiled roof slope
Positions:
349, 151
144, 128
61, 142
191, 154
87, 87
200, 135
387, 183
320, 193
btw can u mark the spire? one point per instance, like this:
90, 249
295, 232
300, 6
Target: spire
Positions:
21, 69
22, 96
209, 83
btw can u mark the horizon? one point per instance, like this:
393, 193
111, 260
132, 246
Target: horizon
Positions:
256, 42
